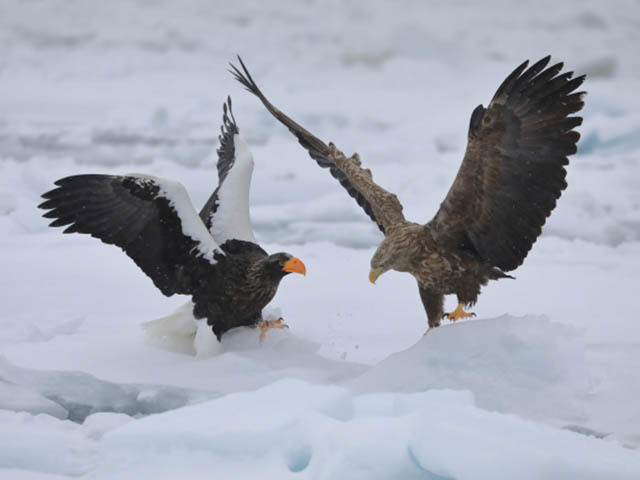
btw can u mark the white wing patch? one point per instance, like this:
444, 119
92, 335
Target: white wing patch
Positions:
191, 223
232, 219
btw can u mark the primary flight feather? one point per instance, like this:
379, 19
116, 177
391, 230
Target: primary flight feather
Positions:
512, 174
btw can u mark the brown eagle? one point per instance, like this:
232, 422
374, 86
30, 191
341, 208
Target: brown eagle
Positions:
512, 174
213, 257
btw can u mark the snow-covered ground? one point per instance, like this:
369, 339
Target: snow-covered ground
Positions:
542, 384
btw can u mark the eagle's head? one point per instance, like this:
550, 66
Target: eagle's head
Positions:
278, 265
382, 260
395, 251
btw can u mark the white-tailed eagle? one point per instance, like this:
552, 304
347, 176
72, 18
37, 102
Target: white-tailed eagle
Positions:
511, 177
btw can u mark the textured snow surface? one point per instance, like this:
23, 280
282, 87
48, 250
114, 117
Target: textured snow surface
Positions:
542, 384
326, 432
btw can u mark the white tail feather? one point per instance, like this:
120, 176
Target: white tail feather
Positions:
180, 323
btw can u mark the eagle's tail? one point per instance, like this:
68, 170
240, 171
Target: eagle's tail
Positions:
180, 323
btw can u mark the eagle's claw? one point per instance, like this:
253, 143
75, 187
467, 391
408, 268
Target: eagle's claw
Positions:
264, 325
458, 313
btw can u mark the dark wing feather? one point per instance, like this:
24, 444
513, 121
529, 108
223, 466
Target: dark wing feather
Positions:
138, 215
380, 205
226, 159
513, 171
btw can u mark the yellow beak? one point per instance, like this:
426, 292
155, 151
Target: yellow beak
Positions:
374, 273
294, 265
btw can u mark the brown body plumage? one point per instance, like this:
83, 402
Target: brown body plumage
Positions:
512, 174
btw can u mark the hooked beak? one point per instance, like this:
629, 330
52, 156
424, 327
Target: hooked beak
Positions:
294, 265
374, 273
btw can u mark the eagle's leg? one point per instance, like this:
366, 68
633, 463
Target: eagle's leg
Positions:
458, 313
264, 325
433, 304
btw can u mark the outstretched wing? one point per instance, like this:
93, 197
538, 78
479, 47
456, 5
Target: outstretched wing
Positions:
226, 213
382, 206
513, 171
151, 219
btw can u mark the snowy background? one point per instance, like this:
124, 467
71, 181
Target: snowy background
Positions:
544, 383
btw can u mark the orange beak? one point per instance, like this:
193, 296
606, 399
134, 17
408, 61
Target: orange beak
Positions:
294, 265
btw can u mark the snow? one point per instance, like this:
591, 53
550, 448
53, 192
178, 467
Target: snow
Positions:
510, 364
543, 383
77, 395
232, 218
323, 431
43, 443
17, 398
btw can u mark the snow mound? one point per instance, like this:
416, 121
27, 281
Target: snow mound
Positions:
21, 330
76, 395
20, 399
442, 409
42, 443
315, 431
525, 365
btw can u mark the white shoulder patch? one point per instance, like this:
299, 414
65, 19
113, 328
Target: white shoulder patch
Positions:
192, 225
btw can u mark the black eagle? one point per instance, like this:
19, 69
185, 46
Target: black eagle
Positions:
212, 257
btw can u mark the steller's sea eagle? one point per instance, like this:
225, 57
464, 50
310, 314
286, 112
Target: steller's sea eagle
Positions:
213, 257
512, 174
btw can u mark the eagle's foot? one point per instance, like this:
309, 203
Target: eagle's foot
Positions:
264, 325
458, 313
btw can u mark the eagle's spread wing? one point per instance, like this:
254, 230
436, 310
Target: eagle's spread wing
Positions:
226, 213
151, 219
382, 206
513, 170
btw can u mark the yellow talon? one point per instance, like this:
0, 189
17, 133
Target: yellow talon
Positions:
267, 324
458, 313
